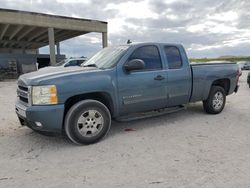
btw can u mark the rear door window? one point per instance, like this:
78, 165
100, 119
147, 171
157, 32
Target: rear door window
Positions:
173, 56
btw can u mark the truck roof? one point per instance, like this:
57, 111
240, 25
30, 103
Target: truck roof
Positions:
151, 43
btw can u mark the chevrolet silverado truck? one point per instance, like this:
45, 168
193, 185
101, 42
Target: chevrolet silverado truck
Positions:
123, 83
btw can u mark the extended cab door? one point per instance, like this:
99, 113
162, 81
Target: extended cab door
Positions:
144, 89
179, 75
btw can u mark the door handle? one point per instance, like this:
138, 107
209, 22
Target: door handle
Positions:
159, 77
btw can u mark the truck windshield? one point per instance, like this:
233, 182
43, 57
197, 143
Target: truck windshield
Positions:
106, 58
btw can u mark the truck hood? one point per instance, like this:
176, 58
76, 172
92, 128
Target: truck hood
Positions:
34, 78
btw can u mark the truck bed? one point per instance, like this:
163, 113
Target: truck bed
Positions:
204, 74
213, 63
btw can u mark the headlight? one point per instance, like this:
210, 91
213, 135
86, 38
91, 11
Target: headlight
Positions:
44, 95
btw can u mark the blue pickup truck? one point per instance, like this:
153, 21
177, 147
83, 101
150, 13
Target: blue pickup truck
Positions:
121, 82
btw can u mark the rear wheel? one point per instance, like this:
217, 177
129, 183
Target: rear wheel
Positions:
87, 122
216, 100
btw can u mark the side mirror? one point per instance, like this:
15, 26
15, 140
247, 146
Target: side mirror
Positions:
134, 64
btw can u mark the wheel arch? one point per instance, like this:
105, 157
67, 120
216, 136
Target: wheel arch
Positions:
224, 83
102, 97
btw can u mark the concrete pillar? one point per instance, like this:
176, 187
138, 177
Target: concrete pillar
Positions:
52, 46
23, 50
58, 48
104, 39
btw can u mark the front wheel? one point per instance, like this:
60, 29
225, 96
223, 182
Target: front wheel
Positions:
87, 122
216, 100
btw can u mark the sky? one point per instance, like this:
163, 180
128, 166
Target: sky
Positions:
206, 28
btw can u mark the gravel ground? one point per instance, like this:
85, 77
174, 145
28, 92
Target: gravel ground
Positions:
184, 149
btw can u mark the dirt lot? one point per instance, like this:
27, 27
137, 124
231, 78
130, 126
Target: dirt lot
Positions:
185, 149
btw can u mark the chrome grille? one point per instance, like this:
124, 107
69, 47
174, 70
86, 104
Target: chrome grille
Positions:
23, 88
23, 93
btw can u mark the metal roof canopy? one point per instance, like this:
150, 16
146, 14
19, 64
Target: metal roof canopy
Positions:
30, 30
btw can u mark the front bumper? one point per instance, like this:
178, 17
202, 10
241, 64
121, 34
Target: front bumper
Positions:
43, 118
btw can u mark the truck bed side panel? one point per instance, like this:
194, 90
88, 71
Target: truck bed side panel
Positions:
205, 74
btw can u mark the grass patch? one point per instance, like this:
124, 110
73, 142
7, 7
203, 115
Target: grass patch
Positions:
220, 59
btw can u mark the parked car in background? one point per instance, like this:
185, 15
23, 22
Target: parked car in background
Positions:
244, 65
248, 79
71, 62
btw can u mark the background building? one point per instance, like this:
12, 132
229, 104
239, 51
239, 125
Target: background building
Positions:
23, 33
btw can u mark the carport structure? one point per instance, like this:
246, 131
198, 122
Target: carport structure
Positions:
28, 31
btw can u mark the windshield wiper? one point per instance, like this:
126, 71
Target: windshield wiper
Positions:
90, 65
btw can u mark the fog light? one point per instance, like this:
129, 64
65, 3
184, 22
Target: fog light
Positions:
38, 124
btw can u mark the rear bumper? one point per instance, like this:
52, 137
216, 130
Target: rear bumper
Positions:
43, 118
236, 89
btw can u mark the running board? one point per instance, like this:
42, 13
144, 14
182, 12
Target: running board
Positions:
150, 114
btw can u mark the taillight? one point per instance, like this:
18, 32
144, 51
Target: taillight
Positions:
238, 75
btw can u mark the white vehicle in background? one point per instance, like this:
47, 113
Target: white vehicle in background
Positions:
244, 65
71, 62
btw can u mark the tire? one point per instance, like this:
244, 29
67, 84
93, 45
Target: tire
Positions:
216, 100
87, 122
